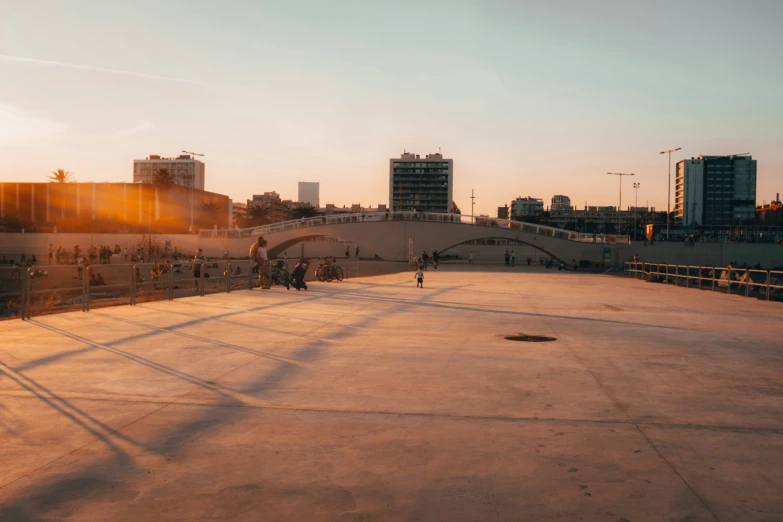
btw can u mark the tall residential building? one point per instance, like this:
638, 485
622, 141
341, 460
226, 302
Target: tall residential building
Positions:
421, 184
186, 170
561, 203
715, 191
309, 192
526, 207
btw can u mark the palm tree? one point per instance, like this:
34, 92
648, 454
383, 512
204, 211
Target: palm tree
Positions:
210, 209
258, 215
61, 176
304, 212
163, 179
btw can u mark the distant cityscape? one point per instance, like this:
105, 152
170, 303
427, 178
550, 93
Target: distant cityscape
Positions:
712, 195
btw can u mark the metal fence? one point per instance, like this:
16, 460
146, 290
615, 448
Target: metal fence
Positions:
38, 290
760, 284
368, 217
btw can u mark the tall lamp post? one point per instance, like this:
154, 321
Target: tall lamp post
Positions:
669, 192
636, 205
194, 154
620, 206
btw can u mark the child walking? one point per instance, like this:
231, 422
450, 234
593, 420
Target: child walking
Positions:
419, 278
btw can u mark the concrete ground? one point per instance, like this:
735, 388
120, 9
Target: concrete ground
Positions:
372, 400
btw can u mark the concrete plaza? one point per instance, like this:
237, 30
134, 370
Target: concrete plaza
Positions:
372, 400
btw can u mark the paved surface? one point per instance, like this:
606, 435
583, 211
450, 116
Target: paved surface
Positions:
373, 400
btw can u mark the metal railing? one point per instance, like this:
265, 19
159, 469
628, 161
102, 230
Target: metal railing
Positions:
750, 282
457, 219
38, 290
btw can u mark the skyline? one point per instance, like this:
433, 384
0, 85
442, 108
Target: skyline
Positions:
528, 100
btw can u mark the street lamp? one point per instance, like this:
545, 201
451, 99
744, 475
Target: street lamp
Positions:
194, 154
669, 192
636, 210
620, 174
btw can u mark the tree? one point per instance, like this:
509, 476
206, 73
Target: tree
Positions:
257, 215
304, 211
163, 179
210, 209
454, 208
61, 176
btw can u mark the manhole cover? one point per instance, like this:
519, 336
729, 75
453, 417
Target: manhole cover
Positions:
529, 338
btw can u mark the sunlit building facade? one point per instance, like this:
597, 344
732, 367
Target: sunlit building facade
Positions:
421, 184
109, 207
186, 170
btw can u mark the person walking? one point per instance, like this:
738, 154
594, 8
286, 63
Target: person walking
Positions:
357, 251
435, 259
425, 259
513, 258
471, 257
347, 252
419, 278
199, 262
51, 253
507, 258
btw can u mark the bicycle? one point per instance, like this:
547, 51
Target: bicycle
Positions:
324, 270
279, 274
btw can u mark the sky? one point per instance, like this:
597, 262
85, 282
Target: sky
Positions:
528, 98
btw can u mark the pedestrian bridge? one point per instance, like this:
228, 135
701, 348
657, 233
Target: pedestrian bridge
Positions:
397, 236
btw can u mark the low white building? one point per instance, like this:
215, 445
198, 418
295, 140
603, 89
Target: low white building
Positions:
526, 207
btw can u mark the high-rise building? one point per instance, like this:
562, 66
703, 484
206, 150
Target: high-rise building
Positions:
715, 191
309, 192
503, 212
185, 169
526, 207
421, 184
561, 203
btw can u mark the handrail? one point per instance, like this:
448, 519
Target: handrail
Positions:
769, 285
457, 219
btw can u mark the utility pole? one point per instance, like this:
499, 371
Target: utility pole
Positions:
194, 154
620, 206
472, 204
669, 192
636, 207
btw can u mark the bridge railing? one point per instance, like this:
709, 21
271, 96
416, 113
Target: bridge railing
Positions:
761, 284
369, 217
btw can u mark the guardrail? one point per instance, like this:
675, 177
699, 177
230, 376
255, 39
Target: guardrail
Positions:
45, 289
761, 284
457, 219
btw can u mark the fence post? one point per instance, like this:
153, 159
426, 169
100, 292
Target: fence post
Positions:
769, 273
250, 276
86, 291
133, 285
228, 277
747, 282
713, 278
201, 278
728, 282
687, 276
24, 298
171, 281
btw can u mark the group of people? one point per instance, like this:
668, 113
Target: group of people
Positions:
422, 262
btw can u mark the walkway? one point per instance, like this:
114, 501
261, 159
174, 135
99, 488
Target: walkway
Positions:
374, 400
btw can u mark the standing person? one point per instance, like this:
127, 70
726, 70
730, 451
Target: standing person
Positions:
199, 260
435, 259
357, 251
76, 252
225, 253
471, 257
425, 258
59, 254
419, 278
51, 253
507, 257
259, 256
125, 253
513, 258
80, 267
347, 252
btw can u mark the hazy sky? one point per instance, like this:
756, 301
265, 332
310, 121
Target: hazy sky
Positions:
529, 98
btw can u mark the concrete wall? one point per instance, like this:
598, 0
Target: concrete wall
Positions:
709, 254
